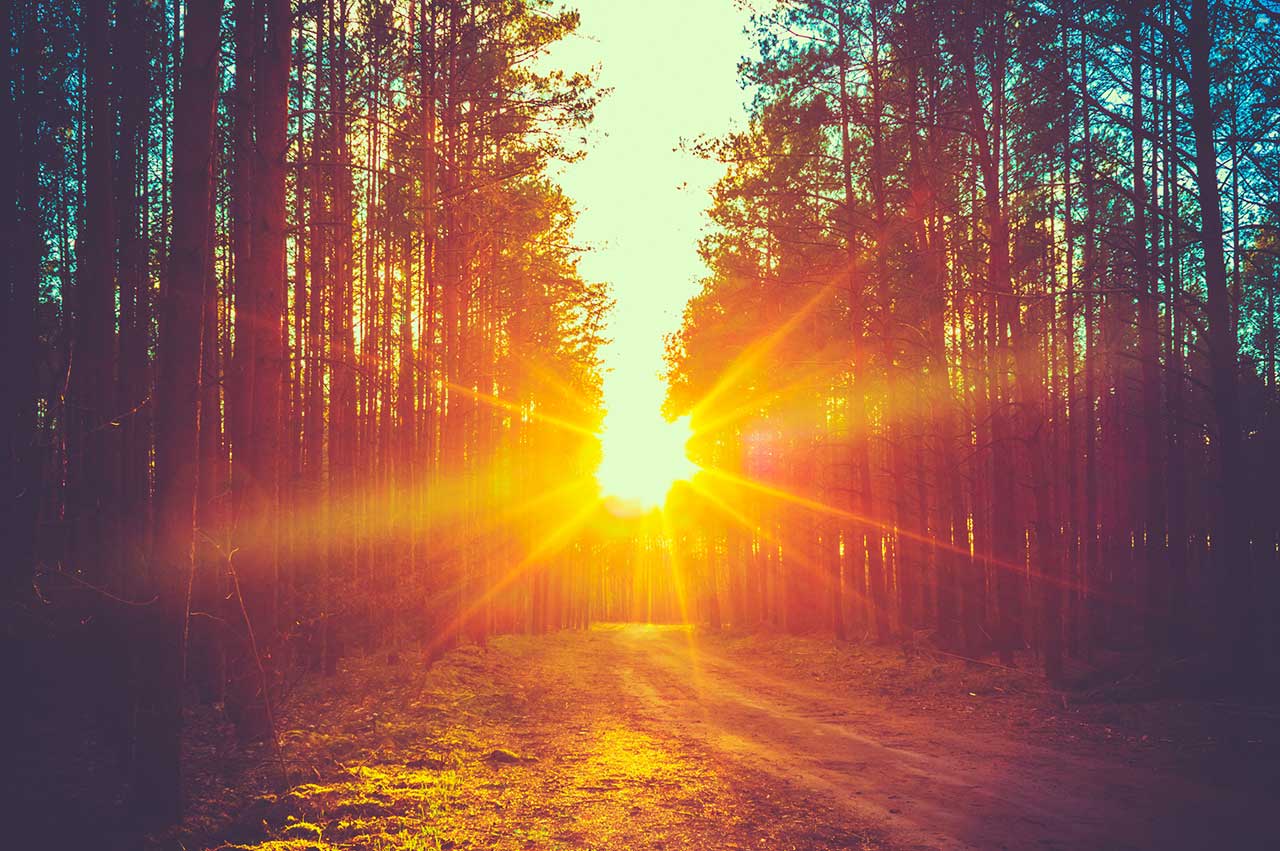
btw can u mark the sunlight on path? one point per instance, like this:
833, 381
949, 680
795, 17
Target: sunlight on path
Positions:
629, 737
535, 743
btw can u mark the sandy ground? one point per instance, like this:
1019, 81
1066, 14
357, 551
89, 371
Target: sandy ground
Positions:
657, 738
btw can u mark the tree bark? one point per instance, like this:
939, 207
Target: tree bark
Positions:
92, 447
262, 286
158, 778
1237, 649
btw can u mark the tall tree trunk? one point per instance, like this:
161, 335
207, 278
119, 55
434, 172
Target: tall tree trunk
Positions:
93, 355
1238, 649
21, 253
1153, 531
1090, 570
158, 778
895, 565
1007, 549
261, 296
133, 26
318, 342
342, 442
1178, 639
860, 485
205, 647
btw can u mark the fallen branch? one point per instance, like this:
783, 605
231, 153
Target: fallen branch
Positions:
91, 587
1025, 673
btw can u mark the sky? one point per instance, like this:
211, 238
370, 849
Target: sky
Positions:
672, 66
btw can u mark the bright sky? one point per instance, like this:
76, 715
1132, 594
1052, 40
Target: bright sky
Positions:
672, 65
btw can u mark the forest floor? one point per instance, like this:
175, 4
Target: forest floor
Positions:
641, 737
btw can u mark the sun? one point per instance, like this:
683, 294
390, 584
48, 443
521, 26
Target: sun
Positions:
643, 457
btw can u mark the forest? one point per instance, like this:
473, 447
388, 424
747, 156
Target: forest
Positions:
304, 388
1025, 389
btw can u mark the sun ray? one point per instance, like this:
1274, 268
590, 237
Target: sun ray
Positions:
724, 506
519, 410
554, 538
825, 508
764, 532
712, 423
550, 379
930, 540
539, 499
668, 532
751, 356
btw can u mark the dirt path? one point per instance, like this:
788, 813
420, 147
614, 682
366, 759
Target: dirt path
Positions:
650, 738
922, 782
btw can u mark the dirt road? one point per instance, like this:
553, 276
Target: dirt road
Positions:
637, 737
918, 780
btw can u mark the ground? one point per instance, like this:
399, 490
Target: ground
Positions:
642, 737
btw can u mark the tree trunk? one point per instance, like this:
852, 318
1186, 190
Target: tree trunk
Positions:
92, 448
262, 297
133, 26
1238, 649
157, 779
1007, 548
